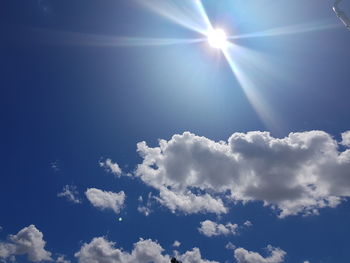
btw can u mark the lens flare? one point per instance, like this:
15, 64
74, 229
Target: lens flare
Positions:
217, 38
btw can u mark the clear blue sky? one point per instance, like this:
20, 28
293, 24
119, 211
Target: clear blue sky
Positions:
80, 85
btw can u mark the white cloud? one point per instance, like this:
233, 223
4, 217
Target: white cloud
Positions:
189, 202
245, 256
1, 228
346, 138
55, 165
100, 250
210, 228
111, 167
28, 241
176, 243
71, 193
106, 200
297, 174
230, 246
247, 223
6, 250
145, 209
193, 256
306, 261
62, 259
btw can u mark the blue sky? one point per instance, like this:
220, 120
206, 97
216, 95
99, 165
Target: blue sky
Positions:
123, 131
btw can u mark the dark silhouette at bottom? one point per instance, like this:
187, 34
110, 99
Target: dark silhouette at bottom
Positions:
174, 260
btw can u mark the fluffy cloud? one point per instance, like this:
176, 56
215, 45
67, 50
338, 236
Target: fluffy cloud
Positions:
245, 256
106, 200
100, 250
62, 259
189, 202
176, 243
300, 173
193, 256
210, 228
111, 167
28, 241
346, 138
71, 193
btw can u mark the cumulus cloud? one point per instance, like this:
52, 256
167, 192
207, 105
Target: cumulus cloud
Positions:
245, 256
346, 138
111, 167
71, 193
210, 228
300, 173
100, 250
193, 256
28, 241
106, 200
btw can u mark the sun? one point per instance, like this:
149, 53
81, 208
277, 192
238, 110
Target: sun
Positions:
217, 38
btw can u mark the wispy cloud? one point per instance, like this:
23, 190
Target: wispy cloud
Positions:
70, 193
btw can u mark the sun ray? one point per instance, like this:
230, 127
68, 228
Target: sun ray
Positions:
190, 14
44, 36
290, 30
239, 60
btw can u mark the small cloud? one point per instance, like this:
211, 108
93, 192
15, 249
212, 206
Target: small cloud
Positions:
111, 167
145, 209
71, 193
345, 138
1, 228
210, 228
247, 223
106, 200
55, 166
230, 246
62, 259
244, 256
176, 243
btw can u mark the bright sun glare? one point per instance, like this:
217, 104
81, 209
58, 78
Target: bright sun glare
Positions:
217, 38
